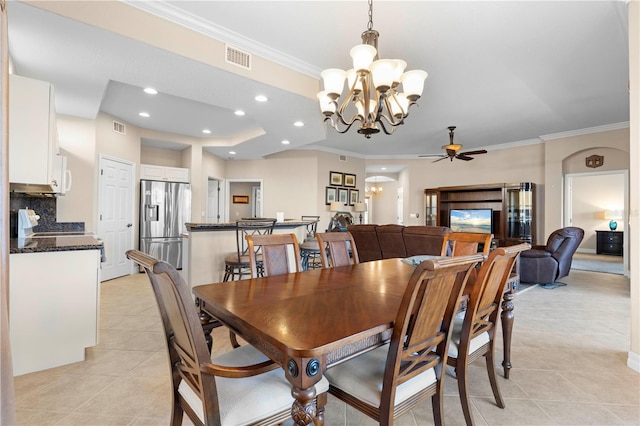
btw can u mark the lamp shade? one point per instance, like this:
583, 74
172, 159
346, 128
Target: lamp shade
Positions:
613, 214
360, 207
335, 206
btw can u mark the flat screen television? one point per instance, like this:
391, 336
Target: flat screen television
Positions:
471, 220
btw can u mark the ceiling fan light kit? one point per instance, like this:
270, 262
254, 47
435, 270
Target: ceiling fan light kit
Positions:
373, 97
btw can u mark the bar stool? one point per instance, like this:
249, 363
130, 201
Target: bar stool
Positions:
309, 249
237, 263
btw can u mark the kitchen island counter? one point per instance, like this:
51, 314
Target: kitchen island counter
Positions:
230, 226
206, 245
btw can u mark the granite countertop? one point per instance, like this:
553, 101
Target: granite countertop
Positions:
54, 243
229, 226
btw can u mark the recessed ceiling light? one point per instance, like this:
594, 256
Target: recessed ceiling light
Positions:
239, 112
383, 168
261, 98
206, 131
232, 152
144, 114
285, 142
150, 91
298, 124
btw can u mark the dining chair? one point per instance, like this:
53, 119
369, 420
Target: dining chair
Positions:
465, 243
280, 254
237, 264
389, 381
340, 246
223, 390
473, 331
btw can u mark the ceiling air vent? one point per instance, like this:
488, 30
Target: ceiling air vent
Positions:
342, 158
238, 57
119, 128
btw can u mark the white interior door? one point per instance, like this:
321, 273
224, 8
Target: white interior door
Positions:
400, 207
116, 212
213, 200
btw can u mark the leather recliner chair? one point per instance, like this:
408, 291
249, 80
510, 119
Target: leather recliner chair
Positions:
546, 264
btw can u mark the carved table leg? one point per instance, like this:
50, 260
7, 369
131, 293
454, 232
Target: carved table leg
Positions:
507, 329
208, 324
304, 410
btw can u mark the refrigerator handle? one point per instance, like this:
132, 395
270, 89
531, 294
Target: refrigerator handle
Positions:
151, 212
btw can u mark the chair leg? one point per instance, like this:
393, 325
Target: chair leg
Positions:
233, 339
491, 371
437, 406
463, 390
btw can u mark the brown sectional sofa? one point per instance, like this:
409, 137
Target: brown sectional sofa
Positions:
376, 242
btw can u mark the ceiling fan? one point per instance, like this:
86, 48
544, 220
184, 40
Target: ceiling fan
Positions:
452, 150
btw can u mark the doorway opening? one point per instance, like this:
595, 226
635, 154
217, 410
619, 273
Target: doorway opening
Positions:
244, 198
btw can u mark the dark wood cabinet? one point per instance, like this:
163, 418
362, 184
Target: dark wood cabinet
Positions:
609, 242
512, 207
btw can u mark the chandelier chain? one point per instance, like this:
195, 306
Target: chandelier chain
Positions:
370, 24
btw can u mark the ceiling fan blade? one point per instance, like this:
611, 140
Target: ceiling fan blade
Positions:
440, 159
431, 155
480, 151
463, 157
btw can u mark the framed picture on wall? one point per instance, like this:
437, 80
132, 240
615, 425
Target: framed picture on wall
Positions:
354, 196
330, 195
343, 196
335, 179
240, 199
349, 180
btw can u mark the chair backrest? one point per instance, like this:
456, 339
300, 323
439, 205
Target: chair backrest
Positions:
339, 245
367, 243
420, 336
183, 333
280, 254
251, 227
562, 244
311, 227
486, 294
465, 243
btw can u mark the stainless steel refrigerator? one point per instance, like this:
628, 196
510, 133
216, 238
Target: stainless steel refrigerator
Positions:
164, 209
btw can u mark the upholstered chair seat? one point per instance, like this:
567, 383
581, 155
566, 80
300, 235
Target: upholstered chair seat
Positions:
248, 400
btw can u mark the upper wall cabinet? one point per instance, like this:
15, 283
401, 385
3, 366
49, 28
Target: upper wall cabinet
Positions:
169, 174
33, 133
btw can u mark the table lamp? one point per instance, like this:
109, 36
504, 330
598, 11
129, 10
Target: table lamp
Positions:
335, 206
360, 207
612, 216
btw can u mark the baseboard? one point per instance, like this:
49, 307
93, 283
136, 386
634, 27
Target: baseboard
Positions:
586, 251
633, 361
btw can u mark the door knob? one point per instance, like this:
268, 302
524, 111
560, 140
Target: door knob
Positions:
129, 225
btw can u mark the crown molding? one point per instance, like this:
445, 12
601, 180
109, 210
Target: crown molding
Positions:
193, 22
586, 131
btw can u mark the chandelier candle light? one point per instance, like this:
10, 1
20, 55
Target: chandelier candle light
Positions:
373, 97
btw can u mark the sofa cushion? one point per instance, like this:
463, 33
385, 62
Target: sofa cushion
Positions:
424, 239
391, 241
366, 240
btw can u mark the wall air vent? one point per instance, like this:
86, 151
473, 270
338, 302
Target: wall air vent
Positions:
119, 128
342, 158
237, 57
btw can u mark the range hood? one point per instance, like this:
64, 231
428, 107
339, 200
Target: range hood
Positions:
34, 190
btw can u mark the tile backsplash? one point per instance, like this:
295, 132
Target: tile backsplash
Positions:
45, 207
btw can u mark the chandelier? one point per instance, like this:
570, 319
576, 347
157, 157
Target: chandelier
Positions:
375, 189
373, 98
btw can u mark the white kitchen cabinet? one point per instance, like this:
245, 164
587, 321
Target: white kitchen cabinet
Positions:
169, 174
33, 133
53, 308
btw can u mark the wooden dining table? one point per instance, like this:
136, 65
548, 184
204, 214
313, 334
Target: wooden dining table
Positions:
309, 321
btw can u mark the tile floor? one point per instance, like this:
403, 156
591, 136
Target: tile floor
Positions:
569, 357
